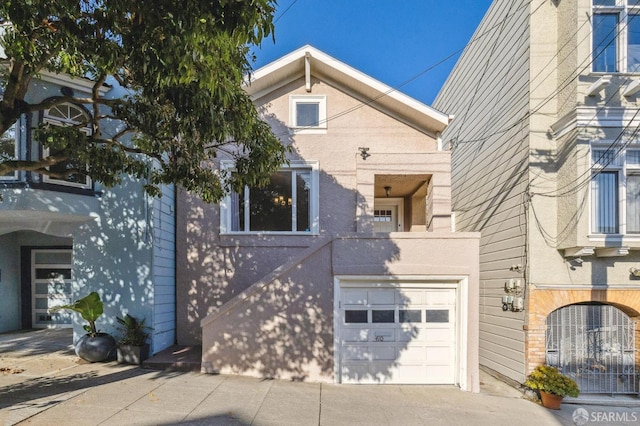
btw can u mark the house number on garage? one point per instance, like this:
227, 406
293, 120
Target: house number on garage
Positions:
383, 336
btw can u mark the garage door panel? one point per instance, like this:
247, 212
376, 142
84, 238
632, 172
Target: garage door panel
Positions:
355, 335
410, 297
369, 353
382, 297
383, 353
409, 374
355, 353
411, 334
439, 355
383, 335
438, 335
354, 373
440, 297
406, 336
354, 297
412, 354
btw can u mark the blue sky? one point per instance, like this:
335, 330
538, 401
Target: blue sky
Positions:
390, 40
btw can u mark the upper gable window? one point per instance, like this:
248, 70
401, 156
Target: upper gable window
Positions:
9, 149
66, 115
308, 113
616, 36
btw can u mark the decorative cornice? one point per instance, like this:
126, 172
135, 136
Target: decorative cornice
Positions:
612, 251
579, 251
581, 117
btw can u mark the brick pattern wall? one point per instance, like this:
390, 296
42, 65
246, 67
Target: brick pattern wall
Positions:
541, 303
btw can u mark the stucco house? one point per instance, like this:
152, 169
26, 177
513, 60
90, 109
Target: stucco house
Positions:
546, 165
345, 267
63, 238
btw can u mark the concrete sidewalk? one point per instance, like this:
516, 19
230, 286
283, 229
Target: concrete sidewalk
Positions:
39, 386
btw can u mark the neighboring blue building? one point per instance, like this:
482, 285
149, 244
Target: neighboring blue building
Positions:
61, 239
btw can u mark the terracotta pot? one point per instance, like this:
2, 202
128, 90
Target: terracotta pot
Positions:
550, 400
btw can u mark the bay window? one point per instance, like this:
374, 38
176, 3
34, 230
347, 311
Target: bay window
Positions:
615, 190
287, 204
616, 36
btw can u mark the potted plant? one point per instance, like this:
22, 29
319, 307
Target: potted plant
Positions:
133, 347
93, 346
552, 385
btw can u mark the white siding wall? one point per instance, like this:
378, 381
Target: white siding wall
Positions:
164, 270
488, 94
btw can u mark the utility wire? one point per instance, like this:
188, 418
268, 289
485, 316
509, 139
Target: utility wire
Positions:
474, 40
285, 11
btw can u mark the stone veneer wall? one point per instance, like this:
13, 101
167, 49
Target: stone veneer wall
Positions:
542, 302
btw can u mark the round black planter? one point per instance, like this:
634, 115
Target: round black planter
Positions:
95, 349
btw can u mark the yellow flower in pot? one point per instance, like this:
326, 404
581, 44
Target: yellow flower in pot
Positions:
552, 385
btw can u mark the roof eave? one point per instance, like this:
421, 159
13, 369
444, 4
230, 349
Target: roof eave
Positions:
291, 66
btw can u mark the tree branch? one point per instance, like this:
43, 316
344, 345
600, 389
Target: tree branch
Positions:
31, 166
57, 100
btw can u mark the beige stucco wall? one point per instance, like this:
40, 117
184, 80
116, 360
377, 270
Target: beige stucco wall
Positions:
564, 179
213, 268
265, 302
283, 325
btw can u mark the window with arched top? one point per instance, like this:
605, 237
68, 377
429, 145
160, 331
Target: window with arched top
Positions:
66, 114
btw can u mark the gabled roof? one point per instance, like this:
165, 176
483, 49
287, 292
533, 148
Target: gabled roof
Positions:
292, 66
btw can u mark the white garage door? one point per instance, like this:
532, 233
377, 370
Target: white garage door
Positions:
397, 335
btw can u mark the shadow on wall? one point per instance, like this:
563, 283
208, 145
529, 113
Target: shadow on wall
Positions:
113, 255
282, 328
271, 295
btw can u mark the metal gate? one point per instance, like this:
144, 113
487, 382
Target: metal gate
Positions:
594, 345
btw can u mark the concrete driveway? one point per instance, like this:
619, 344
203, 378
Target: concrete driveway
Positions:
43, 382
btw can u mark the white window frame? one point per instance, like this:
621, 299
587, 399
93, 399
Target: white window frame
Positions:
14, 176
321, 100
57, 121
226, 203
623, 169
623, 10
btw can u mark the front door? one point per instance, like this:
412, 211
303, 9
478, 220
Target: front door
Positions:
386, 214
50, 287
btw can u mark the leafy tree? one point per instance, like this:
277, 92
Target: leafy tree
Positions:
182, 64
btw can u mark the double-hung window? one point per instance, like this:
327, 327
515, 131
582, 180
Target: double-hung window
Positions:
66, 115
287, 204
9, 149
615, 190
616, 36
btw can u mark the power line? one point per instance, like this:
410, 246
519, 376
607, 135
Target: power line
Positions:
543, 103
284, 12
474, 40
